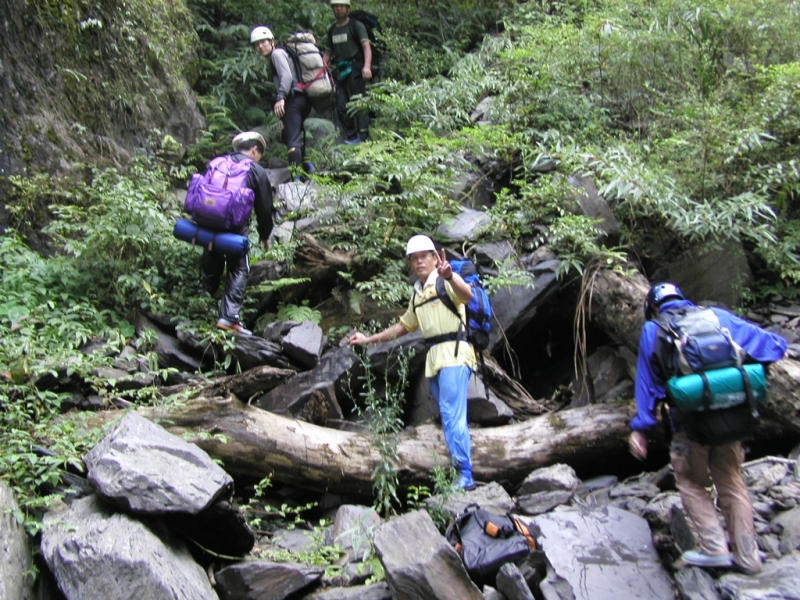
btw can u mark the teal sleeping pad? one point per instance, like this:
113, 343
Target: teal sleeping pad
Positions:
726, 385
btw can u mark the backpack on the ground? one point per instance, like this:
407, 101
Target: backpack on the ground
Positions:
373, 27
315, 78
486, 541
220, 199
716, 393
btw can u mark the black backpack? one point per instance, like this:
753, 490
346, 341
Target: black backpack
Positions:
373, 27
486, 541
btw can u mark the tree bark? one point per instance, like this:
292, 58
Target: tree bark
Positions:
257, 443
616, 304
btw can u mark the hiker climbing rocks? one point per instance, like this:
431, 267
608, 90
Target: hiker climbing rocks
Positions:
451, 359
349, 52
683, 345
292, 106
248, 146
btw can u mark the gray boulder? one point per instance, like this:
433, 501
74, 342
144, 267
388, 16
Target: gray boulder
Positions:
780, 580
542, 502
602, 554
353, 528
376, 591
492, 497
548, 479
15, 554
325, 384
143, 468
304, 344
420, 564
512, 584
787, 526
491, 411
588, 201
97, 554
711, 271
264, 580
465, 225
696, 584
515, 306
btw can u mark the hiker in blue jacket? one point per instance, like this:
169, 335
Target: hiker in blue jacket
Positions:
697, 465
291, 106
249, 145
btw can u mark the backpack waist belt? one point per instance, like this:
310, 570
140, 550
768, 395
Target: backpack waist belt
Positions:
456, 336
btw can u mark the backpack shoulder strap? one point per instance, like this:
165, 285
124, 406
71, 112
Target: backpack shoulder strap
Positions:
352, 24
330, 36
441, 293
297, 69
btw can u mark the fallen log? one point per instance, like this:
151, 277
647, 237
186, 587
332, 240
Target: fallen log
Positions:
257, 443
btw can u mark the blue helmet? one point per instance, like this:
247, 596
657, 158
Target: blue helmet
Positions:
658, 294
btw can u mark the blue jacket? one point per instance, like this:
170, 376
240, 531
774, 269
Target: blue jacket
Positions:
761, 346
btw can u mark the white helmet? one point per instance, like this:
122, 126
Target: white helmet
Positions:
335, 2
419, 243
260, 32
247, 136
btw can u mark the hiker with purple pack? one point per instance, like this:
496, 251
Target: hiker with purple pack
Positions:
223, 200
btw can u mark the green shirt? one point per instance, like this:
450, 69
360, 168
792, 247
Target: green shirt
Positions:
344, 47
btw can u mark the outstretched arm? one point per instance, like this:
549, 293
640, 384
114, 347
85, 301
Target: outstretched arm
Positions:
394, 331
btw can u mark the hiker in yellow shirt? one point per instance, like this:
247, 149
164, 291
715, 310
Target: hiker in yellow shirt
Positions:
451, 358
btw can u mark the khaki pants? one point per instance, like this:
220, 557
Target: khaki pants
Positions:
696, 467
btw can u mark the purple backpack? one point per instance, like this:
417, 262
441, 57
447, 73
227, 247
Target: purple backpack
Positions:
220, 199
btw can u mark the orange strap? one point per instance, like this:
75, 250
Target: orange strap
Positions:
523, 529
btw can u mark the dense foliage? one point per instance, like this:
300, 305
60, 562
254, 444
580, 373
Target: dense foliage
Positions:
685, 113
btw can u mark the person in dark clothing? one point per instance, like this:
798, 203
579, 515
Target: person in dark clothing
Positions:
349, 48
292, 106
696, 465
249, 146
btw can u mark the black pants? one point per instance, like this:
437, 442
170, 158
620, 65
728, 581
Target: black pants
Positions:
297, 107
352, 85
211, 268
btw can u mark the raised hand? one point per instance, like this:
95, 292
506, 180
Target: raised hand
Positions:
442, 266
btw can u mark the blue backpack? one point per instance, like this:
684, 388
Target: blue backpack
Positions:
479, 309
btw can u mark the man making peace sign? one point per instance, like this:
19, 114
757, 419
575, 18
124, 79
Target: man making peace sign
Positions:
451, 358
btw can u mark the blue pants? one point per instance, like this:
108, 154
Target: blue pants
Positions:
449, 387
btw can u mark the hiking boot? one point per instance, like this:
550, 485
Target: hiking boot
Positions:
698, 558
745, 571
353, 140
465, 482
310, 168
236, 328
